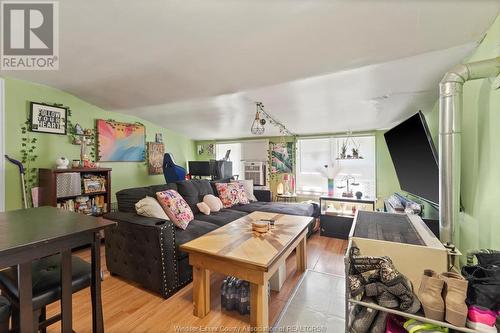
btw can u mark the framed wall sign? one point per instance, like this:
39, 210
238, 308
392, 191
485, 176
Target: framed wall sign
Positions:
155, 158
46, 118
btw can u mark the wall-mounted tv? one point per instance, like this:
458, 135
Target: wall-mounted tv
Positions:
414, 157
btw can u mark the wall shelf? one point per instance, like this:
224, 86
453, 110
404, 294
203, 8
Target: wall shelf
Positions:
349, 159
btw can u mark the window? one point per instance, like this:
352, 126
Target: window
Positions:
314, 154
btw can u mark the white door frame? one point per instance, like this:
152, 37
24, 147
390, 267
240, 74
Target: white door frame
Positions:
2, 145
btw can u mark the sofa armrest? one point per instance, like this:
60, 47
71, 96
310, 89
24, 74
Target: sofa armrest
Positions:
134, 219
263, 195
142, 249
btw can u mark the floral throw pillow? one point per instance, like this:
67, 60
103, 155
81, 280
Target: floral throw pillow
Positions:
175, 207
231, 194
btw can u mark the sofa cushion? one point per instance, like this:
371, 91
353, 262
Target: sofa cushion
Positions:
212, 202
214, 183
231, 194
177, 209
222, 217
193, 191
248, 186
127, 198
278, 207
203, 207
195, 229
150, 207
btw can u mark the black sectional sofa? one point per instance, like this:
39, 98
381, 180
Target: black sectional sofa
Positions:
146, 250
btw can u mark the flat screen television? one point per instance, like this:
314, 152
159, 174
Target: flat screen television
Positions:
414, 157
199, 168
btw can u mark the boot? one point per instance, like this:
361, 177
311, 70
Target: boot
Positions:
378, 325
364, 319
454, 294
429, 294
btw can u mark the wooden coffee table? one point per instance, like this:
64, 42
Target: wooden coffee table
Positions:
236, 250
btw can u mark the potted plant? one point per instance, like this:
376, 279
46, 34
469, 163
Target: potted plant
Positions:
343, 150
355, 153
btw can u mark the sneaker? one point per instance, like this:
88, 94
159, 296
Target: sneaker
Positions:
481, 319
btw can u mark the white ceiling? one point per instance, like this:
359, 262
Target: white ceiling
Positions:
318, 66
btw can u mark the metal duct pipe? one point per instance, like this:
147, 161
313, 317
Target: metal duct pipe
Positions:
450, 127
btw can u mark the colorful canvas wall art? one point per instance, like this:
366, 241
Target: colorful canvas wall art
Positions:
282, 157
120, 142
155, 158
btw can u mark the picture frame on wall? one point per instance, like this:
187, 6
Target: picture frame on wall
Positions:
94, 185
159, 138
282, 157
120, 142
45, 118
156, 151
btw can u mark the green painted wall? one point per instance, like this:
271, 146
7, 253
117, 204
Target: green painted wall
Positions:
479, 224
19, 93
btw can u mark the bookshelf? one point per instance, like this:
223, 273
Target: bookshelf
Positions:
92, 199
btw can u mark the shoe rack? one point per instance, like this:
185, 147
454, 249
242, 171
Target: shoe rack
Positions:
418, 316
409, 243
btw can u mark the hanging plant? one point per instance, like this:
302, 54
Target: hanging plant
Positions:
28, 158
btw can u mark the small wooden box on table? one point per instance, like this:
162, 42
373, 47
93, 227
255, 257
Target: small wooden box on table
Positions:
236, 250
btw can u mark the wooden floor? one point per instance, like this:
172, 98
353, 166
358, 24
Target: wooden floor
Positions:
129, 308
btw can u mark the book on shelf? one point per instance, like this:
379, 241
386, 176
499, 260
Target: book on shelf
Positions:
95, 205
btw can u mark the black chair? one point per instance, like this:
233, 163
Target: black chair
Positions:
46, 274
4, 314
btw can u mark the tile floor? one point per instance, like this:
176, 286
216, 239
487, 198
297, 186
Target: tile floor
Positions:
317, 305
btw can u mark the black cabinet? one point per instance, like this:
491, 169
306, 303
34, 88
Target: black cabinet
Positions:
335, 226
337, 214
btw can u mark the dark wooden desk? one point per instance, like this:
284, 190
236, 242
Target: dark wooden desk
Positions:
29, 234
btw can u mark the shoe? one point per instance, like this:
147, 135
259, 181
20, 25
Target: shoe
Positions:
481, 319
364, 319
356, 285
379, 323
416, 326
430, 295
454, 294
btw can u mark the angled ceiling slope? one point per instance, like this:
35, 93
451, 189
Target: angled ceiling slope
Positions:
197, 66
